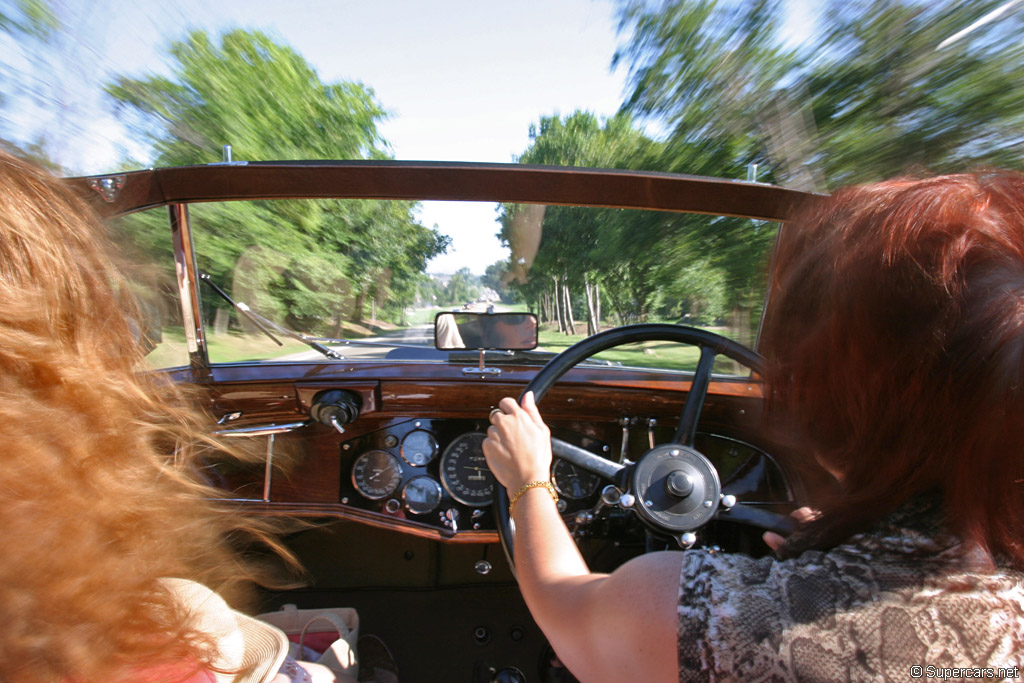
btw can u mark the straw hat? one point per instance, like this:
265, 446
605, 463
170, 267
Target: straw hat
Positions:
244, 644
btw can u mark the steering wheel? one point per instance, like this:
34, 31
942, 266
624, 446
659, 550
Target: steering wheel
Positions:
672, 487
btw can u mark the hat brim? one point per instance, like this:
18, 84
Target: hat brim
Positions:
245, 645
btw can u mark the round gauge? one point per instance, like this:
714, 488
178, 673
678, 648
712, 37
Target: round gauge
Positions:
464, 471
421, 495
419, 447
376, 474
573, 482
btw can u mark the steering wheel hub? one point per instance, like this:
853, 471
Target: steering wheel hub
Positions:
677, 489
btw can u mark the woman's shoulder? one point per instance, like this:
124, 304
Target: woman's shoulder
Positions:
886, 599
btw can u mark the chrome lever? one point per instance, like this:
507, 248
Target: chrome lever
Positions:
336, 424
624, 451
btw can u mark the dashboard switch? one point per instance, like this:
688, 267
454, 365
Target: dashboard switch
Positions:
335, 408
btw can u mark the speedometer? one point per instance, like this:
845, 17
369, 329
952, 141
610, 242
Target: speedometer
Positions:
464, 471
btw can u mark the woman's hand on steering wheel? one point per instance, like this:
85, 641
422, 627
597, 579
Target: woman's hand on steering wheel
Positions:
802, 515
518, 444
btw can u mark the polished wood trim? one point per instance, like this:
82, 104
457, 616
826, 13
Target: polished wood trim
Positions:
369, 394
329, 374
310, 463
338, 511
418, 180
436, 390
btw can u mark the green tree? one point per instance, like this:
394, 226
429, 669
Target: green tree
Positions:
869, 96
886, 101
570, 264
319, 262
29, 18
590, 261
32, 26
463, 286
707, 71
260, 97
496, 276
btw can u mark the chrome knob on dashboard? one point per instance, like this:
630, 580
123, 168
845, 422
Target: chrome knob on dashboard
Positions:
627, 500
611, 495
335, 408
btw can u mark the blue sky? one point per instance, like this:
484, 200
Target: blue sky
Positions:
462, 79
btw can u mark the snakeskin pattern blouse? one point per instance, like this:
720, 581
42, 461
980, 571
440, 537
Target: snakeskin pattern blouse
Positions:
884, 606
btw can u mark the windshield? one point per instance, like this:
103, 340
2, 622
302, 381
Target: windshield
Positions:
363, 271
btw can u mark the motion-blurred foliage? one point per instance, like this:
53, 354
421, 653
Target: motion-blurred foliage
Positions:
869, 95
631, 266
333, 260
712, 88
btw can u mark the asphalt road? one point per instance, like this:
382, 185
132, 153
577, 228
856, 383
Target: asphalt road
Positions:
418, 335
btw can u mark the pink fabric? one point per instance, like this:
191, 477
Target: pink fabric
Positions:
319, 641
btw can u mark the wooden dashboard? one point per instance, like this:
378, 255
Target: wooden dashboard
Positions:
411, 460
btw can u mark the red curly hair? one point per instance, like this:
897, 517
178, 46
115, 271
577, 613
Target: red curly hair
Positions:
896, 351
98, 496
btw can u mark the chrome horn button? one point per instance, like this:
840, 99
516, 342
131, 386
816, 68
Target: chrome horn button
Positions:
676, 487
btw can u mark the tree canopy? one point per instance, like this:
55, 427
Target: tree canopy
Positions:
32, 26
869, 95
641, 265
312, 263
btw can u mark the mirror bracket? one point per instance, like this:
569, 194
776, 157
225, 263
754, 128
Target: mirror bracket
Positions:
481, 371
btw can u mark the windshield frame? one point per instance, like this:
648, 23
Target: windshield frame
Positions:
113, 195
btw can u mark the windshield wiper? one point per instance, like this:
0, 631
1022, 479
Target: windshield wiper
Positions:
528, 357
264, 323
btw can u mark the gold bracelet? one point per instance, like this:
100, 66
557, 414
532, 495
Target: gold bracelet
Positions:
526, 487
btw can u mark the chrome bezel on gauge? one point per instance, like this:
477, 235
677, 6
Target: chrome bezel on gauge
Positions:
559, 478
416, 459
391, 467
435, 492
462, 451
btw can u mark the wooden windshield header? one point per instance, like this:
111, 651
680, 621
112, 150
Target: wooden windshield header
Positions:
117, 194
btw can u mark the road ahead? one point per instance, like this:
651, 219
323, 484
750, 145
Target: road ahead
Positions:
418, 335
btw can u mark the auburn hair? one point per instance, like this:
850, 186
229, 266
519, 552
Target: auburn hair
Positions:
99, 496
895, 343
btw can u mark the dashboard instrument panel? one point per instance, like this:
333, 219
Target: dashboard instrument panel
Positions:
397, 472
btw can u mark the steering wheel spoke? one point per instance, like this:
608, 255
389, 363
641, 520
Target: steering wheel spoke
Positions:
612, 471
759, 517
687, 430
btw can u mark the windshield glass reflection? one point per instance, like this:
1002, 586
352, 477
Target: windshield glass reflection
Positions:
366, 277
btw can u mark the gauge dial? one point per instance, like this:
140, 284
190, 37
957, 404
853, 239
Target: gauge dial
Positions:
464, 471
421, 495
419, 447
376, 474
573, 482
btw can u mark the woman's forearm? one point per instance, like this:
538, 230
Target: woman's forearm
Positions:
553, 576
545, 552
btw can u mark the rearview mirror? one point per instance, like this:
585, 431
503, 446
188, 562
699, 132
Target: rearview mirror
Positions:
500, 331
